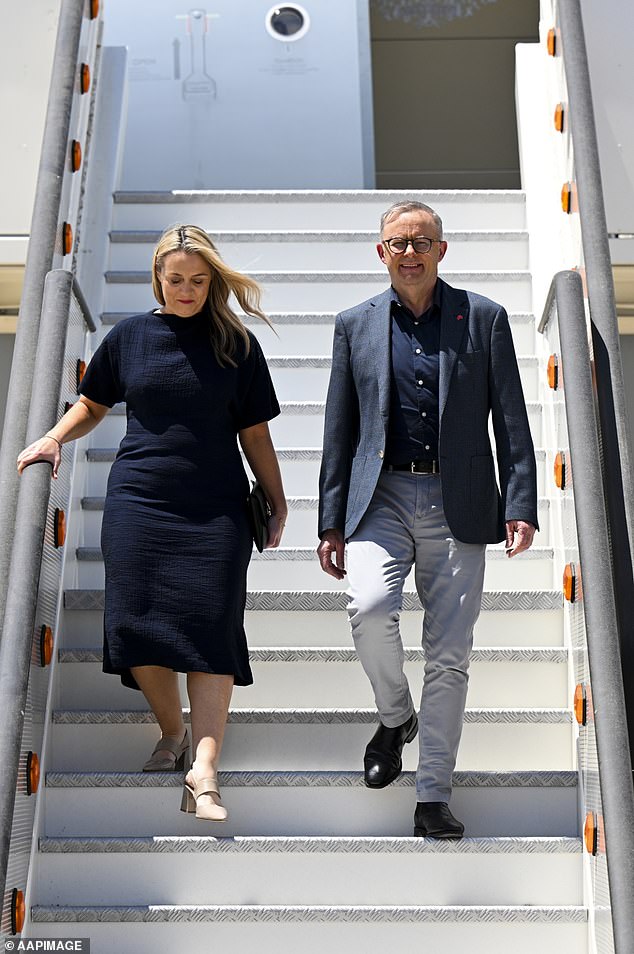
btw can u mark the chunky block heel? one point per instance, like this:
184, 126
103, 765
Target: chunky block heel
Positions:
164, 763
188, 802
208, 811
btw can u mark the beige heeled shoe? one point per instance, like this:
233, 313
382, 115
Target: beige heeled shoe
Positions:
192, 792
163, 763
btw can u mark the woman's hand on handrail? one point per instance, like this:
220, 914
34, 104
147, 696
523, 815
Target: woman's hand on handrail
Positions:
46, 449
78, 420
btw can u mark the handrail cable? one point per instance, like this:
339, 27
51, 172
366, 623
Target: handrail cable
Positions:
612, 739
617, 467
41, 248
26, 559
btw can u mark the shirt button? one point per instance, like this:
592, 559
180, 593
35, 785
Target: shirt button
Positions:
415, 322
423, 414
426, 446
418, 351
420, 382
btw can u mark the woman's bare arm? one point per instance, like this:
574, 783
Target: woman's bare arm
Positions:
79, 420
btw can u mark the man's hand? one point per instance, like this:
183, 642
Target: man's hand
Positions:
519, 536
332, 542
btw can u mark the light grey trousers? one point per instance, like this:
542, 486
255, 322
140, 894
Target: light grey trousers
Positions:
405, 526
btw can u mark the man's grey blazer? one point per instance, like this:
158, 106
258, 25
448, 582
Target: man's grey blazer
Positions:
478, 377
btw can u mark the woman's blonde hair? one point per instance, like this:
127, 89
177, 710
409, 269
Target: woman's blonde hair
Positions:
225, 327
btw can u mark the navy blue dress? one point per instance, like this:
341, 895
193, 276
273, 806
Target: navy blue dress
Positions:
175, 536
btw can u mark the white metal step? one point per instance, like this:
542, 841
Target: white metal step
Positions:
495, 740
146, 929
323, 249
334, 677
289, 627
309, 803
328, 291
309, 209
310, 870
298, 568
331, 600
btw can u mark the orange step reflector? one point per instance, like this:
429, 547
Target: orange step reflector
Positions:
84, 78
566, 197
559, 117
18, 911
46, 646
75, 155
551, 42
80, 370
67, 238
581, 704
560, 470
590, 833
32, 773
59, 528
570, 582
552, 371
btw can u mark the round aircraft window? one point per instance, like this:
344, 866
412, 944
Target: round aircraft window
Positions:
287, 22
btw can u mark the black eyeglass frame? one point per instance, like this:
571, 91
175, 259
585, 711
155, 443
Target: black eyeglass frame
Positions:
409, 241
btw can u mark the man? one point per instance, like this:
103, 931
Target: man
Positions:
408, 479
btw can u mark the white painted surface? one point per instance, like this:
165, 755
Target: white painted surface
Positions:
30, 25
609, 28
217, 102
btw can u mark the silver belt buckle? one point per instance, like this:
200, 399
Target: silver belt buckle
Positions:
432, 470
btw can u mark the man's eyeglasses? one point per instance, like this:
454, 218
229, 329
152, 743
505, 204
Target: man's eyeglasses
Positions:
420, 244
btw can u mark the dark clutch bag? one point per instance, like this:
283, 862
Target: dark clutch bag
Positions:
259, 513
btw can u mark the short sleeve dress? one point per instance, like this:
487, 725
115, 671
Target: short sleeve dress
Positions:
175, 537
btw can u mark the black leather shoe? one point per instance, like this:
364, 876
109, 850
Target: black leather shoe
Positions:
434, 820
382, 761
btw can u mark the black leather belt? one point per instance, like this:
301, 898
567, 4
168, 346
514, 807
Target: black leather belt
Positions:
416, 467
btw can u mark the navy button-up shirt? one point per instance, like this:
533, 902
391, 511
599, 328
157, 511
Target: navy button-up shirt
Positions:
413, 424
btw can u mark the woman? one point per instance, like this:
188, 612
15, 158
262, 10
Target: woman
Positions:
176, 539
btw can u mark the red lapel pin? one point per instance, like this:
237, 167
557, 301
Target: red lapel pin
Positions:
459, 317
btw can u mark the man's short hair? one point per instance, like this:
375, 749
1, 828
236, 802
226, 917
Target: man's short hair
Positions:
411, 205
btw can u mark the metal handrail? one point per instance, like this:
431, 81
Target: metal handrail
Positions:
610, 721
39, 260
26, 558
611, 403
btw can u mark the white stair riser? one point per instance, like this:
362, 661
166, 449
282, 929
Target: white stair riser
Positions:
317, 878
315, 938
265, 810
457, 212
501, 574
315, 338
300, 477
297, 628
472, 252
300, 530
487, 747
312, 684
514, 294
